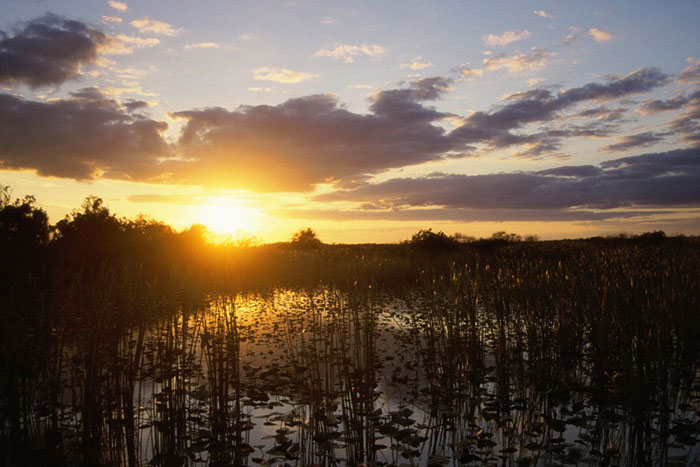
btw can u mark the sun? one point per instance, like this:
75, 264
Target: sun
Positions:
229, 217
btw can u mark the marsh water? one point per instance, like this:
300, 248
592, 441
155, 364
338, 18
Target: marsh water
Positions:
328, 377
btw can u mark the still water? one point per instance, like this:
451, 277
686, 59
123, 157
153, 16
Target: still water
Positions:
324, 377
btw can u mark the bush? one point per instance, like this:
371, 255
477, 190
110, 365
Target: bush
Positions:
306, 239
433, 241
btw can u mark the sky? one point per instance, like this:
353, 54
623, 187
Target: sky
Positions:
366, 121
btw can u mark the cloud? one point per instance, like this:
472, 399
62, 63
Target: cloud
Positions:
687, 124
457, 214
506, 37
469, 72
641, 80
146, 25
674, 103
281, 75
306, 141
543, 14
122, 44
599, 35
311, 140
327, 20
84, 137
202, 45
572, 37
131, 105
416, 65
538, 105
347, 52
603, 113
633, 141
48, 51
111, 19
120, 6
656, 179
690, 74
514, 63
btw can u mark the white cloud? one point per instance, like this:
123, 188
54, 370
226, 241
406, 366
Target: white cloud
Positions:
202, 45
519, 61
121, 6
468, 72
128, 88
327, 20
111, 19
543, 14
599, 35
506, 37
260, 89
691, 73
572, 36
146, 25
346, 52
416, 65
281, 75
122, 44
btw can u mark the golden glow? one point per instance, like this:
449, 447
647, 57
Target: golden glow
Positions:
229, 217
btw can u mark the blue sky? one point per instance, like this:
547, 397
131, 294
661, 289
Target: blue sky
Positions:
366, 121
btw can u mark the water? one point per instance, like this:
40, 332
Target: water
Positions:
327, 378
330, 377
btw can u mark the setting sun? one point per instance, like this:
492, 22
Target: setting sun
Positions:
229, 217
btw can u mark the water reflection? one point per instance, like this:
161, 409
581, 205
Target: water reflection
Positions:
437, 376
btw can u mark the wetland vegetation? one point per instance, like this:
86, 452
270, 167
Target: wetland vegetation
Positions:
124, 343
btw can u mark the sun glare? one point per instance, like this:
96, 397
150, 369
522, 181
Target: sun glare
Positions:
228, 218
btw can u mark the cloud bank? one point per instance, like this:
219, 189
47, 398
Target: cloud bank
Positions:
654, 179
48, 51
84, 137
306, 141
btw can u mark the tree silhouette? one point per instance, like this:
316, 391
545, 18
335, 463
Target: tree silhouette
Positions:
429, 240
306, 239
24, 234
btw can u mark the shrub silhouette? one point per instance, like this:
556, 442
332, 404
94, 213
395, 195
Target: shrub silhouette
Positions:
24, 234
434, 241
306, 239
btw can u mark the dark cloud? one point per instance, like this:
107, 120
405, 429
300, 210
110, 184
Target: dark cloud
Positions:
310, 140
85, 137
299, 143
459, 214
541, 105
658, 179
645, 139
578, 171
604, 113
674, 103
691, 74
47, 51
305, 141
640, 81
687, 124
132, 105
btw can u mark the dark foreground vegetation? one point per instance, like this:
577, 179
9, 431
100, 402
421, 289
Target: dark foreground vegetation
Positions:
123, 342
